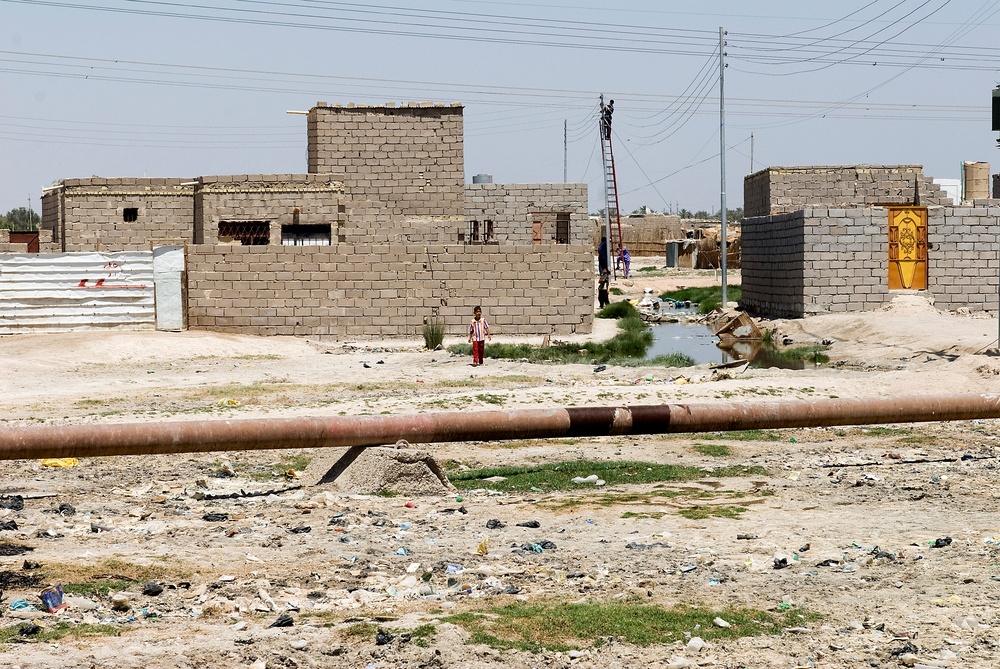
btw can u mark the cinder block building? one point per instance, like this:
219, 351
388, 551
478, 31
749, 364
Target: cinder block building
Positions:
395, 235
850, 238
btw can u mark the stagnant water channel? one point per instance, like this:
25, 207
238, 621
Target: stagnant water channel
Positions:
698, 342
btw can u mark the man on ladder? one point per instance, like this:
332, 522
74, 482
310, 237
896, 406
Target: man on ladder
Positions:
607, 110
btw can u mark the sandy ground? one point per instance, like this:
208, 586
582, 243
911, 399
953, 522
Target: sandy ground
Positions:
865, 503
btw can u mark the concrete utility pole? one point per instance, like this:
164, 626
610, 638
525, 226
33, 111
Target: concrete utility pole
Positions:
722, 155
565, 152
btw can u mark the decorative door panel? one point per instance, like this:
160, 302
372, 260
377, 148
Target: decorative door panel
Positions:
907, 248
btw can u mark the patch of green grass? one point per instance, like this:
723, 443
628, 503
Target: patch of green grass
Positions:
489, 398
701, 512
109, 575
709, 298
810, 353
648, 269
361, 630
879, 431
744, 435
655, 515
58, 631
629, 344
560, 626
558, 476
289, 461
669, 360
620, 309
615, 290
712, 450
423, 635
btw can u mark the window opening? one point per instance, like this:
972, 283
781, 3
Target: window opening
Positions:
130, 214
247, 233
562, 228
318, 234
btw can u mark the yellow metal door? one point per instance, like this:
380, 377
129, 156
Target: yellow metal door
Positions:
907, 248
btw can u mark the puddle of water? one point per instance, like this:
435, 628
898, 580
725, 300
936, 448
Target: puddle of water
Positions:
699, 343
692, 339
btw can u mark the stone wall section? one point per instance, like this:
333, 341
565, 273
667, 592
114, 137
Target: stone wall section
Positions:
827, 260
278, 199
513, 209
7, 247
408, 160
777, 190
380, 290
91, 214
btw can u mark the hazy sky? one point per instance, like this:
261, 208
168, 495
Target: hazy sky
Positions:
201, 87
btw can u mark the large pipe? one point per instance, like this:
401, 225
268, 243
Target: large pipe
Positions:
241, 435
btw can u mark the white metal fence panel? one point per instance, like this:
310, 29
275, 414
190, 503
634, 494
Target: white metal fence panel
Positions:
76, 291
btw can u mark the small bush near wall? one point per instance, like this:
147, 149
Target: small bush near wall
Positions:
433, 333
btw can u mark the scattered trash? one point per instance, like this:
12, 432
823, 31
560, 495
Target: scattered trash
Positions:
593, 478
600, 368
780, 562
403, 551
533, 524
215, 517
12, 502
453, 568
941, 543
8, 525
484, 547
301, 529
59, 462
29, 629
411, 505
66, 509
719, 622
52, 599
22, 605
746, 537
284, 620
382, 637
152, 589
645, 547
494, 524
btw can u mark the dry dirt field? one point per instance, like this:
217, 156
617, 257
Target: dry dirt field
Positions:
854, 512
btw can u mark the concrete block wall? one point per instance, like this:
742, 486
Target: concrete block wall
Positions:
513, 208
776, 190
381, 290
90, 213
409, 160
274, 198
828, 260
773, 265
7, 247
962, 264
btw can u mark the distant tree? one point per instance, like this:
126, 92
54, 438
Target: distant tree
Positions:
20, 219
684, 213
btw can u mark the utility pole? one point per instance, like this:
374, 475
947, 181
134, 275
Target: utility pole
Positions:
722, 155
751, 153
565, 151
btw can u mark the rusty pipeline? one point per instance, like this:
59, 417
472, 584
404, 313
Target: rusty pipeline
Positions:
345, 431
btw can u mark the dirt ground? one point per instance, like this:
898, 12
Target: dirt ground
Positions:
854, 511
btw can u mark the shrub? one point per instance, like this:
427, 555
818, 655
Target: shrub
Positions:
433, 333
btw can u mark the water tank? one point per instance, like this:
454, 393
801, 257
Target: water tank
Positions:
482, 179
976, 179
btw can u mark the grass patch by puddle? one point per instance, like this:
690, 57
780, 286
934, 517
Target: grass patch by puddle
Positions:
564, 626
559, 476
712, 450
708, 298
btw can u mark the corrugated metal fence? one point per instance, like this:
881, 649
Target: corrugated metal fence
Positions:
76, 291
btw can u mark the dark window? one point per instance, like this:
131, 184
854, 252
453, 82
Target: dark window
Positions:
130, 214
305, 235
489, 235
562, 228
474, 232
247, 233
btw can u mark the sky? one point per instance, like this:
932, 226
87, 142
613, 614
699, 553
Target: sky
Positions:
202, 87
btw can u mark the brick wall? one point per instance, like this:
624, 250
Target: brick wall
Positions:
270, 198
90, 214
836, 260
514, 208
379, 290
409, 160
777, 190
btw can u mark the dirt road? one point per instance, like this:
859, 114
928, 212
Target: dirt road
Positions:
855, 513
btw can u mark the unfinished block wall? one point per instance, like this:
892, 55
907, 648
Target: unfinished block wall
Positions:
777, 190
275, 199
836, 260
377, 290
122, 214
515, 208
408, 160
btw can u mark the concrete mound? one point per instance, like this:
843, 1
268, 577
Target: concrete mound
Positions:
374, 469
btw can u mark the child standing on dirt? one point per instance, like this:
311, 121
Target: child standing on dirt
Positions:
479, 332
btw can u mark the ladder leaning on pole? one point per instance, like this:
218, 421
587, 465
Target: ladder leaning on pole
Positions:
612, 217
